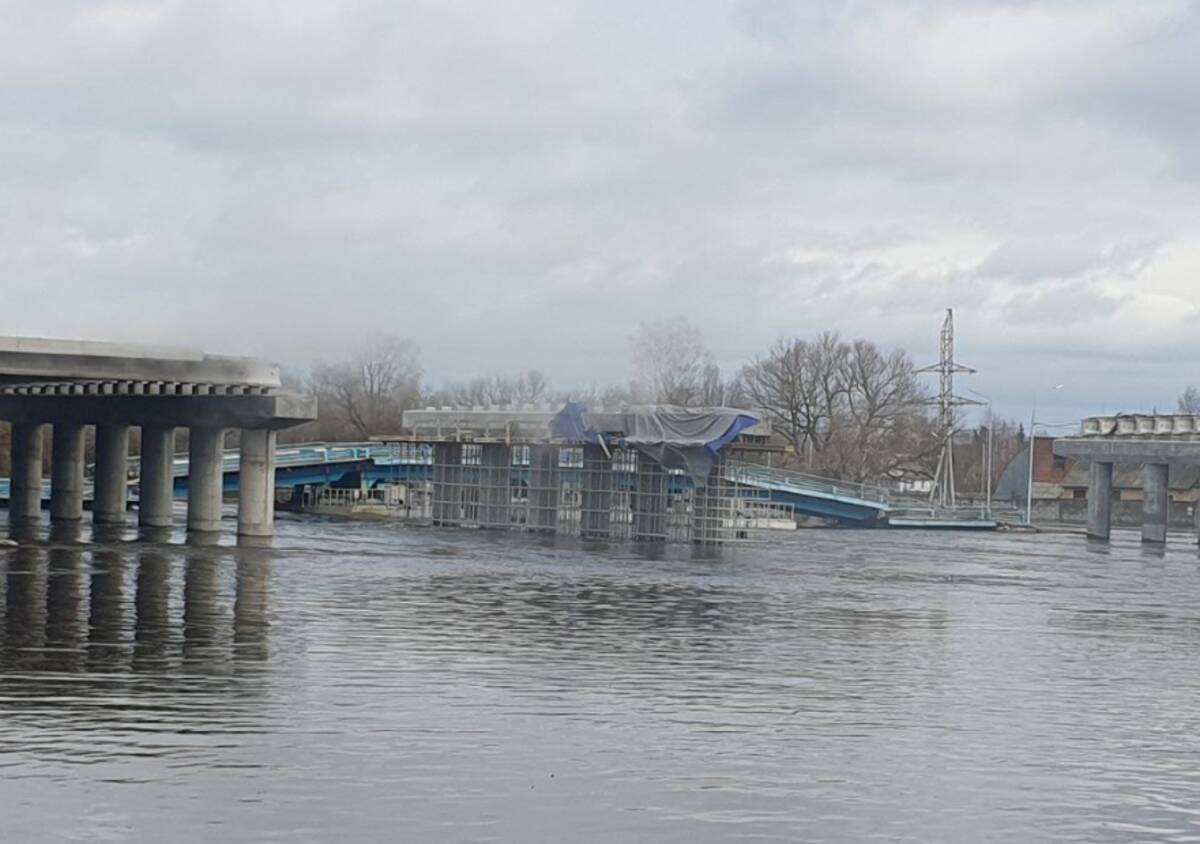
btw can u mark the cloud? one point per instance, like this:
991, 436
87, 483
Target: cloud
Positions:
516, 185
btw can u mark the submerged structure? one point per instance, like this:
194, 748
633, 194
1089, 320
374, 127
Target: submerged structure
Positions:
656, 473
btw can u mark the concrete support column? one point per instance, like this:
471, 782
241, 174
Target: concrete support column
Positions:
25, 493
206, 477
256, 484
156, 483
1099, 500
111, 482
66, 472
1156, 502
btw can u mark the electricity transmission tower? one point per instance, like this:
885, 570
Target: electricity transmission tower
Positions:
942, 493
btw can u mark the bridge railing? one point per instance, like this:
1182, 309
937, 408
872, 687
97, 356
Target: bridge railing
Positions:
754, 474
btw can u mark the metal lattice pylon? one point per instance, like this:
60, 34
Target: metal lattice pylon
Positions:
942, 493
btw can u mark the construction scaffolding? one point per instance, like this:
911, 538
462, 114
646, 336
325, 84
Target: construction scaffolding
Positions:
573, 489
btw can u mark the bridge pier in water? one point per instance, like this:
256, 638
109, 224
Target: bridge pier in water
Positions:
1099, 499
156, 480
66, 472
1156, 443
25, 483
1156, 502
111, 481
256, 484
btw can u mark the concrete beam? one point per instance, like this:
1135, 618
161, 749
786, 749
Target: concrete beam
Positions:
256, 484
1156, 502
111, 482
1173, 452
66, 472
275, 411
35, 357
206, 476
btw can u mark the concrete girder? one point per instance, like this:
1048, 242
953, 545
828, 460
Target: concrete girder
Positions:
1173, 452
274, 411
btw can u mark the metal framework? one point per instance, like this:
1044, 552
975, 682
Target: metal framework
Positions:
942, 493
572, 490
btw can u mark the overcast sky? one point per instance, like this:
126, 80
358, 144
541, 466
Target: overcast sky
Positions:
517, 184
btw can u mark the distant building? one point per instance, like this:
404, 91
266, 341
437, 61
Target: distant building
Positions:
1061, 478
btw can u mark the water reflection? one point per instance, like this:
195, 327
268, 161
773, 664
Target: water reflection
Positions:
131, 608
460, 687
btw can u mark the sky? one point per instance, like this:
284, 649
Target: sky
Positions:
518, 184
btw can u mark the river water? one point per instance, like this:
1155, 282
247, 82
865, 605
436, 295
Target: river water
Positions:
370, 682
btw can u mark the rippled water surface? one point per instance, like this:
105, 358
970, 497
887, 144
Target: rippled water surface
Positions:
368, 682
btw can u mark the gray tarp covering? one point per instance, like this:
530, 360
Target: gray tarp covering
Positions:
685, 438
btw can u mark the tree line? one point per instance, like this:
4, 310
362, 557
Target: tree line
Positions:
841, 408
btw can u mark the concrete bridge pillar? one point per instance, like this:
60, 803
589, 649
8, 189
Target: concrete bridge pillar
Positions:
1099, 499
256, 484
66, 472
156, 481
1156, 502
25, 492
206, 479
111, 481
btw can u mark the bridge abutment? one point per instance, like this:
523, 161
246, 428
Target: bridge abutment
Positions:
111, 480
206, 479
66, 472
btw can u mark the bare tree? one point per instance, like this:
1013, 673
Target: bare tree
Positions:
880, 424
530, 387
846, 409
1189, 400
800, 385
366, 393
671, 363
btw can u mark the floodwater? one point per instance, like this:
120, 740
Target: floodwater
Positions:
371, 682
